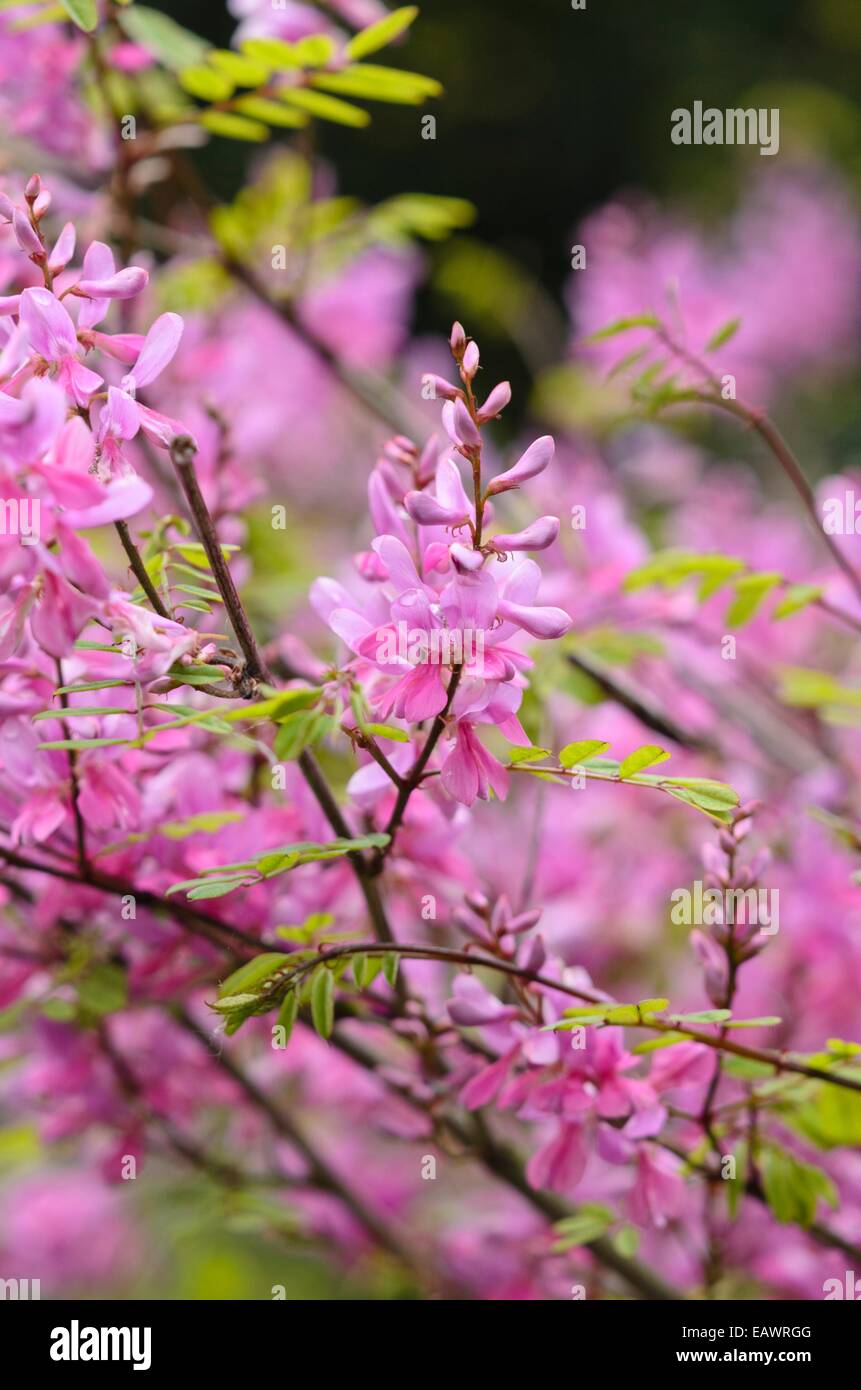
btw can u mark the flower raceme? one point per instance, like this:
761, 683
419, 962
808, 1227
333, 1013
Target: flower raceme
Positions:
64, 427
438, 630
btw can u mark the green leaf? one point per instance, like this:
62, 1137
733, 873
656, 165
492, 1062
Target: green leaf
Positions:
204, 82
792, 1187
623, 325
770, 1021
703, 1016
715, 800
655, 1044
103, 990
313, 924
588, 1010
273, 113
746, 1069
206, 823
573, 754
278, 707
314, 51
58, 1010
275, 53
174, 46
386, 731
325, 107
796, 597
287, 1014
243, 72
383, 32
233, 127
299, 731
624, 1013
84, 686
643, 757
652, 1006
832, 1117
736, 1186
627, 1241
80, 745
671, 567
528, 755
391, 962
813, 689
379, 84
750, 592
199, 889
323, 1002
83, 13
234, 1003
723, 335
591, 1220
79, 712
224, 878
254, 972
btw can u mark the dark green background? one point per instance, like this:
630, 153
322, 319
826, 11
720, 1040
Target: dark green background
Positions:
548, 111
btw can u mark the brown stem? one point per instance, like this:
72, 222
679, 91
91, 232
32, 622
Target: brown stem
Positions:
371, 391
768, 432
182, 452
320, 1173
140, 570
80, 829
778, 1060
414, 777
202, 923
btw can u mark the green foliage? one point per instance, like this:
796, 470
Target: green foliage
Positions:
168, 41
217, 882
575, 753
723, 335
831, 1117
591, 1220
669, 568
255, 972
102, 990
370, 83
327, 108
714, 799
818, 690
641, 758
792, 1188
624, 325
323, 1002
377, 35
315, 83
84, 13
234, 127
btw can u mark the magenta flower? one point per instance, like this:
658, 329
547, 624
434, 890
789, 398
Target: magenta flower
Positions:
52, 336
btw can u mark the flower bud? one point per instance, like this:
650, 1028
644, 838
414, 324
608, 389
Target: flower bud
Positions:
495, 403
469, 366
529, 465
27, 239
457, 340
441, 389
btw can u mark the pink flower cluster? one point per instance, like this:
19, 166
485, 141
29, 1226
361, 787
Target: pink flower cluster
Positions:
436, 572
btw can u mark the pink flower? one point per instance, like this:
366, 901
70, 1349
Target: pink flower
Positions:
51, 334
469, 771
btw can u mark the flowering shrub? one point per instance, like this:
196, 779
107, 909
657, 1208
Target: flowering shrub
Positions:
257, 923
